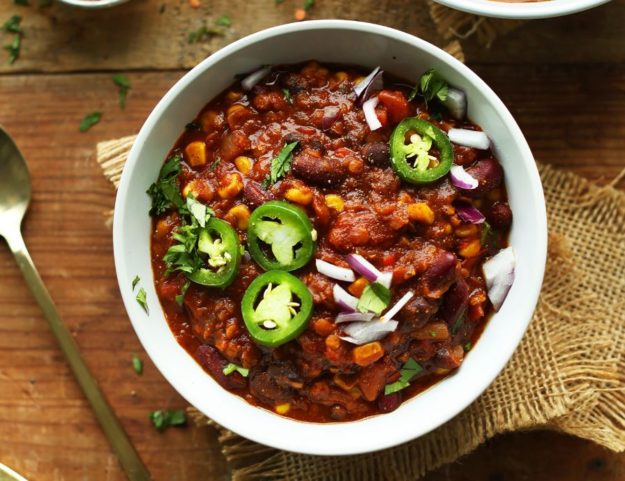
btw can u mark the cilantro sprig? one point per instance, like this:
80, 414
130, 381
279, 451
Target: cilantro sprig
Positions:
137, 364
281, 164
89, 121
231, 367
163, 419
123, 85
432, 86
408, 371
12, 25
164, 192
142, 300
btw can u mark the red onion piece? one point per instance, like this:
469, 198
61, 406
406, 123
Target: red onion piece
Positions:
363, 332
456, 103
499, 276
330, 115
344, 299
335, 272
252, 79
363, 267
462, 179
370, 116
469, 138
371, 82
468, 213
398, 305
354, 317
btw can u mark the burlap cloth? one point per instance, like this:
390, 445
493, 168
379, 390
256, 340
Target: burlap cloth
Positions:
568, 374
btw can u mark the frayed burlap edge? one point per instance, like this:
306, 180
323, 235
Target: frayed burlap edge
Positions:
564, 376
454, 24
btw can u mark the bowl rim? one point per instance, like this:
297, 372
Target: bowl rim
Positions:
525, 10
93, 4
283, 430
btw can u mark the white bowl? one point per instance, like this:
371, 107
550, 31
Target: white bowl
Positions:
356, 43
525, 10
93, 4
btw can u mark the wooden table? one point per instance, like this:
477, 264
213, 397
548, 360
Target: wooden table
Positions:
563, 79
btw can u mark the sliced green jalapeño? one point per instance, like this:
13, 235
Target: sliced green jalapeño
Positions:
410, 146
218, 245
280, 236
276, 308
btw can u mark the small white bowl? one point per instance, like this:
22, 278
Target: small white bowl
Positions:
524, 10
343, 42
93, 4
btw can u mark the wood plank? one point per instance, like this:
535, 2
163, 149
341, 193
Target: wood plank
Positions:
140, 35
46, 428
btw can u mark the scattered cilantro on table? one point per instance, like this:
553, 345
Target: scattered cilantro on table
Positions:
123, 84
163, 419
137, 364
89, 121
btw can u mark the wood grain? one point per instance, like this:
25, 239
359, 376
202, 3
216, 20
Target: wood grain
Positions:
142, 34
573, 115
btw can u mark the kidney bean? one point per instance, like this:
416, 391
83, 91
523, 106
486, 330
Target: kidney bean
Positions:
489, 174
389, 402
441, 273
255, 195
464, 155
311, 166
455, 302
499, 215
377, 153
450, 357
264, 387
214, 363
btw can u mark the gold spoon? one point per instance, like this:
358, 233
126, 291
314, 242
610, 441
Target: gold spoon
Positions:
14, 200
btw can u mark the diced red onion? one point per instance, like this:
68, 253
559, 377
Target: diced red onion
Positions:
462, 179
335, 272
469, 138
399, 305
364, 332
456, 103
252, 79
344, 299
499, 276
370, 116
354, 317
330, 115
468, 213
385, 278
371, 82
363, 267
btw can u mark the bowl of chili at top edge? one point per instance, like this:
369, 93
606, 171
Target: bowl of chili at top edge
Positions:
522, 9
330, 249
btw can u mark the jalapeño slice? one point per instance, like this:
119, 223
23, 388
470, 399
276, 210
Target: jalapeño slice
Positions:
410, 146
218, 244
276, 308
280, 236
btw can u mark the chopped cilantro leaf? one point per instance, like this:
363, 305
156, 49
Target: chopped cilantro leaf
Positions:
374, 298
224, 21
408, 371
164, 192
14, 48
135, 281
90, 120
231, 367
123, 84
214, 165
137, 364
12, 25
431, 86
202, 33
308, 4
467, 347
287, 96
163, 419
281, 164
183, 291
142, 300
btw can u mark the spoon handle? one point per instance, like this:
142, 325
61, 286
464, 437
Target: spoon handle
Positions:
128, 456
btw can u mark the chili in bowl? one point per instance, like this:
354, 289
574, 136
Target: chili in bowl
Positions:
330, 243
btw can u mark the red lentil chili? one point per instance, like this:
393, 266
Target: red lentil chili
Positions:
290, 169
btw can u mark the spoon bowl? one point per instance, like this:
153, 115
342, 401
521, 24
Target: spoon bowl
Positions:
15, 188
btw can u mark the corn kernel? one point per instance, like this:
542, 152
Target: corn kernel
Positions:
441, 371
356, 287
201, 190
233, 95
232, 186
244, 164
299, 195
466, 230
283, 408
368, 353
471, 249
233, 108
333, 341
340, 76
420, 212
240, 216
335, 202
196, 153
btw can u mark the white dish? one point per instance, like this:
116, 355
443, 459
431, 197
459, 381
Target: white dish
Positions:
522, 10
356, 43
93, 4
